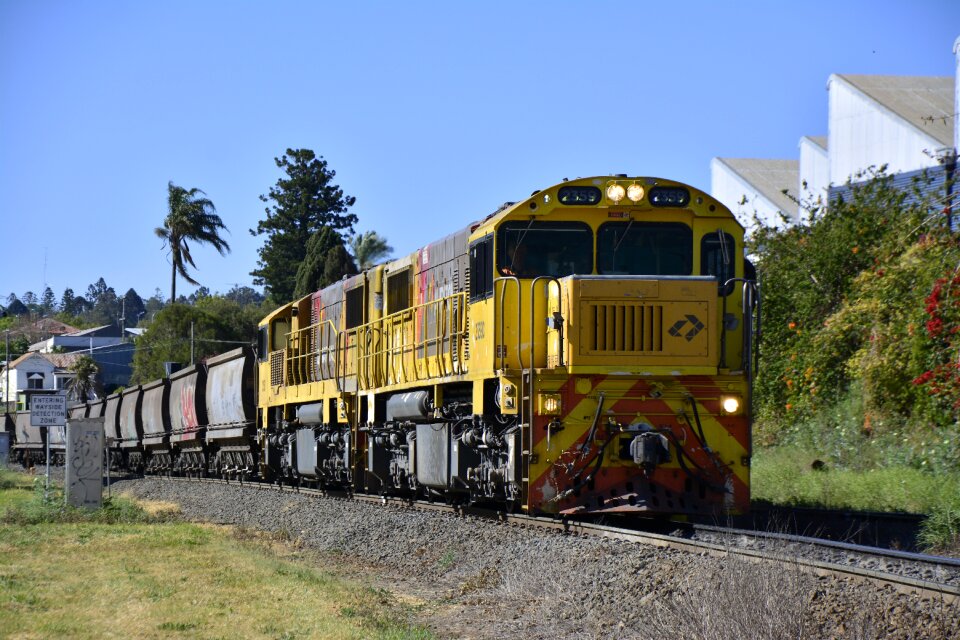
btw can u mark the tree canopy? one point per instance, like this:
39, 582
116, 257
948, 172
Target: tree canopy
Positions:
167, 339
84, 383
302, 203
325, 262
132, 308
368, 248
190, 218
860, 309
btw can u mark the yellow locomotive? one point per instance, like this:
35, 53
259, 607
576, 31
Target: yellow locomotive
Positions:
586, 350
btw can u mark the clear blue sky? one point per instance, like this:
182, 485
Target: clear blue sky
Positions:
431, 113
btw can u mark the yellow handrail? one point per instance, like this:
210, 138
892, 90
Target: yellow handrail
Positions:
368, 351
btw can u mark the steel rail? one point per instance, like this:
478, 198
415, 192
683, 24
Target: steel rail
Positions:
903, 584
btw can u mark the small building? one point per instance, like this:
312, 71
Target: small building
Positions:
37, 371
41, 328
78, 340
115, 363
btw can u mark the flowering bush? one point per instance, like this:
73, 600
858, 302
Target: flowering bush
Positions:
942, 379
857, 294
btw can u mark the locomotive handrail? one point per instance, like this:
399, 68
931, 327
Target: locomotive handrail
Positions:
317, 347
533, 307
372, 333
502, 348
376, 349
750, 298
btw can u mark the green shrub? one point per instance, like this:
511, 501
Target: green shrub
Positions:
941, 531
50, 508
861, 308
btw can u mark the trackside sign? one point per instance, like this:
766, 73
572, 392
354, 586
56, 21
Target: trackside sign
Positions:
48, 411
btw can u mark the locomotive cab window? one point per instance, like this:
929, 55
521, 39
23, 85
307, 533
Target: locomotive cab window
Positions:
354, 311
531, 249
717, 251
279, 329
481, 269
262, 350
398, 291
645, 249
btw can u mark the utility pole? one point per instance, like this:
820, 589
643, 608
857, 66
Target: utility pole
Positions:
191, 343
6, 388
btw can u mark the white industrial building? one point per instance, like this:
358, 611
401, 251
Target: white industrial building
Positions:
906, 123
755, 188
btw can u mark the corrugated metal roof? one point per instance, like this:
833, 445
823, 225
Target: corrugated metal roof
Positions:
925, 102
769, 178
924, 184
89, 332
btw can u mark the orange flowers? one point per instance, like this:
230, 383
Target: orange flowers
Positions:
791, 325
855, 250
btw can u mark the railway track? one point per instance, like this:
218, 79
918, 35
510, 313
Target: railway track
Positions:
927, 576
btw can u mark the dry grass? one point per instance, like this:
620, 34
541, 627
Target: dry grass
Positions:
679, 595
737, 599
159, 508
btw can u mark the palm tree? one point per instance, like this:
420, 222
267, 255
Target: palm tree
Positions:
85, 371
368, 248
189, 217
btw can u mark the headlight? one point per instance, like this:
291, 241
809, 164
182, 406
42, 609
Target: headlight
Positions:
635, 193
730, 405
549, 404
615, 193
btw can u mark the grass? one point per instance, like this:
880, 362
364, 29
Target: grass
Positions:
786, 476
71, 573
866, 462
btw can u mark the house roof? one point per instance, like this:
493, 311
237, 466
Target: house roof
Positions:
42, 327
58, 360
63, 360
53, 326
925, 102
92, 332
769, 178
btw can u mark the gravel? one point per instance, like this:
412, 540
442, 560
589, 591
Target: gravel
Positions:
484, 580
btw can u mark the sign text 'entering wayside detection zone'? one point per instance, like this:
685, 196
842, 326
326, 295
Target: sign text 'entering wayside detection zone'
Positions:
48, 411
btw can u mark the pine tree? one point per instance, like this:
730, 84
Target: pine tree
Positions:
48, 302
302, 203
325, 262
68, 302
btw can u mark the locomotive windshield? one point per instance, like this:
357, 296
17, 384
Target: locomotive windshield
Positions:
645, 249
531, 249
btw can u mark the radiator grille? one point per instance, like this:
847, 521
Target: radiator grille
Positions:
619, 327
276, 368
